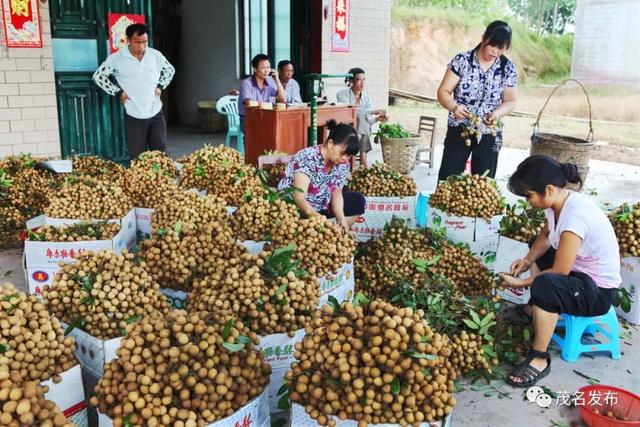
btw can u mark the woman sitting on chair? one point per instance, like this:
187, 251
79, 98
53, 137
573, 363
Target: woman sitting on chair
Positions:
574, 262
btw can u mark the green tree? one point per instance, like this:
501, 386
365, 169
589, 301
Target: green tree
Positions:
545, 16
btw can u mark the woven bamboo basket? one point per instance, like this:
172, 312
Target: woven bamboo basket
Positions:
400, 153
210, 120
565, 149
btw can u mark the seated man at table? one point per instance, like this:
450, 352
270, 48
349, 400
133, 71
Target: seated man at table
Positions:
291, 87
259, 87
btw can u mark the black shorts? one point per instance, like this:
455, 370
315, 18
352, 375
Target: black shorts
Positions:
576, 294
354, 203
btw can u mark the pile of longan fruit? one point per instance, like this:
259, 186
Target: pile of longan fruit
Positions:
181, 369
175, 259
82, 231
97, 167
32, 341
380, 180
469, 195
22, 403
87, 198
521, 223
257, 218
626, 224
190, 210
322, 246
103, 292
256, 290
374, 363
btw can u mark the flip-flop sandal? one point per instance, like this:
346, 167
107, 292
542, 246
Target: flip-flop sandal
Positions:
524, 316
527, 373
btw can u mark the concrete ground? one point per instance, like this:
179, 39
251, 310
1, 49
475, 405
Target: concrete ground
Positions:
609, 183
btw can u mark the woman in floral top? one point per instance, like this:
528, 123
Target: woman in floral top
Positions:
321, 172
481, 82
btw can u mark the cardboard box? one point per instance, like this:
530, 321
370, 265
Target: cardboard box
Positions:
464, 228
69, 396
510, 250
93, 352
278, 352
177, 299
41, 258
273, 159
379, 211
254, 414
630, 272
340, 285
143, 223
300, 418
254, 247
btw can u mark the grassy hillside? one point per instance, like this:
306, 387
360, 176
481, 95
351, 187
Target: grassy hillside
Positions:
539, 59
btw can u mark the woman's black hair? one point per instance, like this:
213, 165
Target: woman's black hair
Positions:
353, 72
536, 172
136, 30
498, 33
255, 62
344, 134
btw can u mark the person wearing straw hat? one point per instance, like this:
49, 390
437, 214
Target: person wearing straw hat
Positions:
478, 83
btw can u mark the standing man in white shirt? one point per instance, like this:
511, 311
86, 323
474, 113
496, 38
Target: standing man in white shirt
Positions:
291, 87
141, 73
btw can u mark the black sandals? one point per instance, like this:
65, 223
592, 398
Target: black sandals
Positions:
527, 373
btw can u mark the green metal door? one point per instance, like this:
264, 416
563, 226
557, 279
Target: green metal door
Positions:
91, 122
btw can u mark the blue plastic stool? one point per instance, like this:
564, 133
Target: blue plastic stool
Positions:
571, 344
422, 208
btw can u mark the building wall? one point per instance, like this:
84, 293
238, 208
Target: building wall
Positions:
207, 68
370, 43
28, 112
605, 47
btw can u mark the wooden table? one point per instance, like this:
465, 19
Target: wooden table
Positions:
287, 130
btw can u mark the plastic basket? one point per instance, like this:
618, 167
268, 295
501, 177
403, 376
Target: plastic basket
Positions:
625, 404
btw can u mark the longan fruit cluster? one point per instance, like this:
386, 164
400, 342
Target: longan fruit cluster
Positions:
23, 403
150, 188
190, 210
97, 167
321, 245
102, 292
31, 190
380, 180
155, 161
465, 271
78, 232
175, 259
274, 173
467, 353
32, 341
626, 224
14, 164
522, 224
87, 198
468, 195
373, 364
12, 222
181, 370
266, 300
257, 218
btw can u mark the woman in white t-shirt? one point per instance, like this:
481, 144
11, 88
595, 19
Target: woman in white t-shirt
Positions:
574, 262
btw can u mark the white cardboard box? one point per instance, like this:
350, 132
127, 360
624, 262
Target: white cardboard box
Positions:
93, 352
464, 228
510, 250
379, 211
69, 396
300, 418
278, 352
630, 272
143, 222
41, 258
274, 159
254, 414
340, 285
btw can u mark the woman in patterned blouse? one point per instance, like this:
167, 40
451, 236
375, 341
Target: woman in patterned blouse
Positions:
321, 172
480, 82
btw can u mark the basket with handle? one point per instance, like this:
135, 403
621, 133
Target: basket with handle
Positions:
563, 148
400, 153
